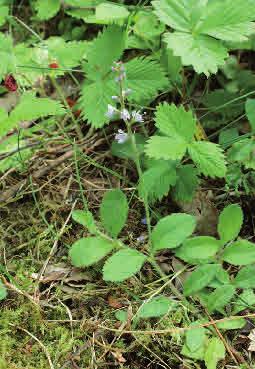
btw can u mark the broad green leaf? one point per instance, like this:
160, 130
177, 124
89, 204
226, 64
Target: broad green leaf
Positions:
220, 297
224, 21
241, 252
175, 14
232, 324
86, 219
198, 249
121, 315
167, 148
89, 250
172, 230
242, 152
3, 291
230, 222
209, 158
4, 11
204, 53
186, 184
175, 121
195, 338
172, 64
145, 78
250, 112
111, 12
156, 181
114, 211
47, 9
123, 265
228, 136
215, 351
200, 278
197, 354
147, 26
244, 301
155, 307
245, 277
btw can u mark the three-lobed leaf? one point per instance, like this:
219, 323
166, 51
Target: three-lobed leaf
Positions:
123, 265
230, 222
114, 211
172, 230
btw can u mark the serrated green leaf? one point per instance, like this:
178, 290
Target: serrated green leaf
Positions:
172, 230
114, 211
204, 53
241, 252
231, 324
89, 250
208, 158
198, 249
47, 9
123, 265
86, 219
174, 14
186, 184
111, 12
167, 148
220, 297
3, 291
200, 278
245, 277
145, 78
175, 121
214, 352
156, 181
155, 307
230, 222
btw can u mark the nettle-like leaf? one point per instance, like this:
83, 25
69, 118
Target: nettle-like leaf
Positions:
155, 307
172, 230
47, 9
201, 27
114, 211
123, 265
145, 78
186, 184
198, 249
89, 250
241, 252
230, 222
156, 181
209, 158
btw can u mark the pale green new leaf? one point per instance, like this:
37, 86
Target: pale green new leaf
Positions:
47, 9
172, 230
167, 148
232, 324
204, 53
230, 222
155, 307
123, 265
89, 250
145, 78
241, 252
227, 21
214, 352
114, 211
156, 181
208, 158
175, 121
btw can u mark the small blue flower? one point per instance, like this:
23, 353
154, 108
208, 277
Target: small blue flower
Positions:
124, 114
111, 111
121, 136
144, 221
141, 238
137, 116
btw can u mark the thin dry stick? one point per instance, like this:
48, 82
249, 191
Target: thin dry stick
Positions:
39, 342
16, 289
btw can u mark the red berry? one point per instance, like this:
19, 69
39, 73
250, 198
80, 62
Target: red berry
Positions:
53, 65
10, 83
